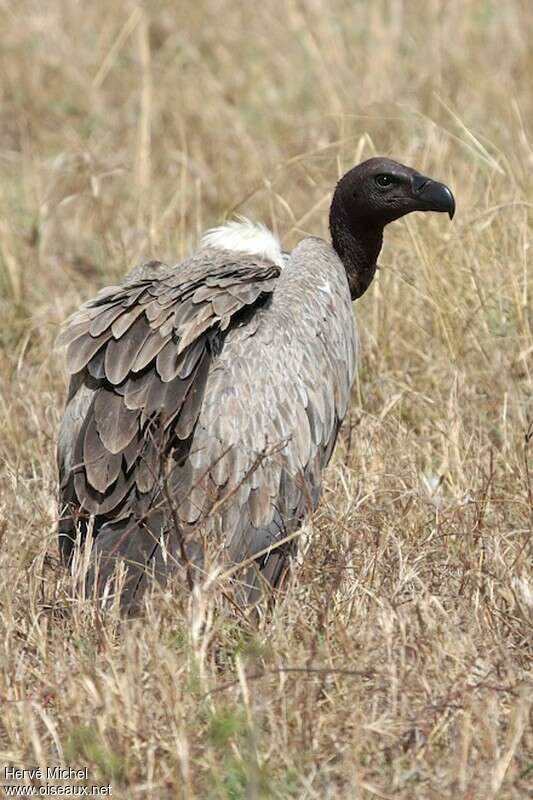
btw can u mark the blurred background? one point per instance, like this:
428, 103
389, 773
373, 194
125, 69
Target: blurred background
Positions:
128, 128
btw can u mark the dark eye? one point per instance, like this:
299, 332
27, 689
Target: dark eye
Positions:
384, 180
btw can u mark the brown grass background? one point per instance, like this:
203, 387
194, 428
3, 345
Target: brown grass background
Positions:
396, 666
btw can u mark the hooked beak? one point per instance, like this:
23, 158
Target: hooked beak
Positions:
431, 195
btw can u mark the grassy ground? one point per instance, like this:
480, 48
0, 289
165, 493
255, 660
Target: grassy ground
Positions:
396, 666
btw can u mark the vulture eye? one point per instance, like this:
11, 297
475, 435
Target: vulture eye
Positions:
384, 180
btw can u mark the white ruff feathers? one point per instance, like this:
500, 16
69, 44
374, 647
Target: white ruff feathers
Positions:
244, 236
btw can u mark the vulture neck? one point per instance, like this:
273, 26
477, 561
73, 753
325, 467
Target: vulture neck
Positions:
357, 243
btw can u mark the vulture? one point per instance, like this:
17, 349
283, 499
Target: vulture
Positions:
206, 397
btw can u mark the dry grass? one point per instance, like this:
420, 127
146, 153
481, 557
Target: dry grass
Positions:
397, 664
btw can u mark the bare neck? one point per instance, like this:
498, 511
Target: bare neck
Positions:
357, 244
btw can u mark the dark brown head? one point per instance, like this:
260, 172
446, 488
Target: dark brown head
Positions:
380, 190
366, 199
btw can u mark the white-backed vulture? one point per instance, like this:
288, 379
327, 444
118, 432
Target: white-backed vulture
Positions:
206, 397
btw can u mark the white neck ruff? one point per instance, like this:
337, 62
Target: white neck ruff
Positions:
243, 236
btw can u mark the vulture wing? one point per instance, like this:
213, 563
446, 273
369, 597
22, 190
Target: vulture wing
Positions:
139, 355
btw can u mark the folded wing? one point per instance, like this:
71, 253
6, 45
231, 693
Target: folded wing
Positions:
139, 355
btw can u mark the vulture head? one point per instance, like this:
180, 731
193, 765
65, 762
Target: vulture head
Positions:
380, 190
367, 198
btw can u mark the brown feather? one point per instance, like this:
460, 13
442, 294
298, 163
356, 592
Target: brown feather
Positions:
104, 319
137, 294
105, 297
185, 312
123, 323
81, 350
148, 467
152, 346
96, 366
101, 466
191, 357
163, 314
192, 332
191, 323
115, 423
203, 293
168, 325
153, 309
73, 330
154, 398
217, 281
97, 503
122, 353
167, 362
136, 390
246, 295
224, 305
133, 451
174, 397
193, 402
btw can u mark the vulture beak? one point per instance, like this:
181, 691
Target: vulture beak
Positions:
431, 195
